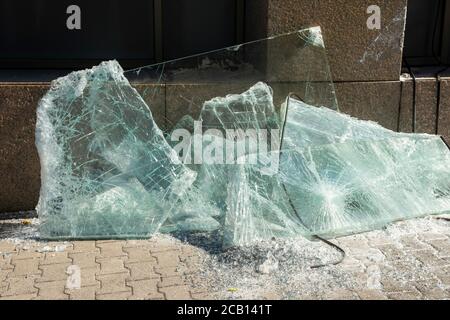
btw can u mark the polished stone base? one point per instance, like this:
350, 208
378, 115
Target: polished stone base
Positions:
389, 103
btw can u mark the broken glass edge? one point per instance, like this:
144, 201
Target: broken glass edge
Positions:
181, 59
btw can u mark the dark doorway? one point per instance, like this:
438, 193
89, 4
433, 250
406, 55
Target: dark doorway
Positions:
34, 33
425, 31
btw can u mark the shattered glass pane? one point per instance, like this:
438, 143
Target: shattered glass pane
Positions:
242, 113
106, 169
109, 171
345, 175
233, 155
240, 88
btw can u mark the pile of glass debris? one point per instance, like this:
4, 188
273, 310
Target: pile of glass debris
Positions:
257, 164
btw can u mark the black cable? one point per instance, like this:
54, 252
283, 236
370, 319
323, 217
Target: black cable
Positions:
438, 96
437, 75
438, 99
343, 254
414, 119
435, 27
400, 107
331, 244
442, 218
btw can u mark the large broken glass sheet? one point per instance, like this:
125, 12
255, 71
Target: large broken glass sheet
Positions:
106, 169
108, 172
236, 191
239, 88
337, 175
344, 175
231, 127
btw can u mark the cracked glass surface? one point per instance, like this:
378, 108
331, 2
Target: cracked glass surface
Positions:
128, 154
109, 171
344, 175
106, 169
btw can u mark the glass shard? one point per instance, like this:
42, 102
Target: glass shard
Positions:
345, 175
258, 208
245, 115
107, 170
235, 156
253, 109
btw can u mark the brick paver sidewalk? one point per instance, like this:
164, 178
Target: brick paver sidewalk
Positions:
415, 266
109, 270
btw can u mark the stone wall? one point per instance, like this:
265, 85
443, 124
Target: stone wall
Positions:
365, 65
355, 52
